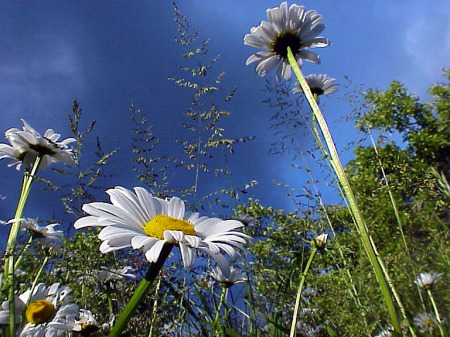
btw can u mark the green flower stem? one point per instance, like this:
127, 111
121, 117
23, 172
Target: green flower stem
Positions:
299, 291
219, 307
37, 277
22, 254
140, 292
337, 165
436, 312
12, 239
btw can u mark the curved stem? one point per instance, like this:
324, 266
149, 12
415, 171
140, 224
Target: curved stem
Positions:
339, 169
140, 292
299, 292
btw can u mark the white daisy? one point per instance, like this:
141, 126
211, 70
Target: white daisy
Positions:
292, 27
49, 238
142, 221
36, 231
319, 84
86, 323
47, 310
27, 144
426, 322
235, 276
427, 280
320, 241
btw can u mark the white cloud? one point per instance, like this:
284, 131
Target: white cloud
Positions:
427, 40
36, 77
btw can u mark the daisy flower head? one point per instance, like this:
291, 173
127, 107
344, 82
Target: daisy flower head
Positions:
38, 232
292, 27
319, 84
427, 280
86, 323
47, 311
141, 221
235, 276
320, 241
425, 322
27, 144
50, 239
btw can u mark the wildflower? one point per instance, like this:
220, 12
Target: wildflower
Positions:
142, 221
50, 239
28, 144
320, 241
292, 27
38, 232
319, 85
235, 276
47, 310
86, 323
308, 292
385, 333
426, 322
427, 280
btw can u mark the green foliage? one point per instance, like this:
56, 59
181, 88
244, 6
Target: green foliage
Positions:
414, 174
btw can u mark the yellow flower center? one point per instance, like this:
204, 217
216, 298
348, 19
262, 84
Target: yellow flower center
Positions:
39, 311
160, 223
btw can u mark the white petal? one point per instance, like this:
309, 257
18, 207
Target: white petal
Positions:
176, 208
141, 240
187, 255
153, 253
173, 236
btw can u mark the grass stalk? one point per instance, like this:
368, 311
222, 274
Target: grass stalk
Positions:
299, 291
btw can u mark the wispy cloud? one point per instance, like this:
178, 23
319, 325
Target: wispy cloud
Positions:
40, 75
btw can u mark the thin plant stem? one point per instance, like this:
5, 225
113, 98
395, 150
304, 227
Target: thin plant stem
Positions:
219, 307
12, 239
436, 312
299, 291
37, 277
155, 305
22, 253
140, 292
339, 169
397, 215
353, 291
108, 296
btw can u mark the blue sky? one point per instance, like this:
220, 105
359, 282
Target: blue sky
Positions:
106, 53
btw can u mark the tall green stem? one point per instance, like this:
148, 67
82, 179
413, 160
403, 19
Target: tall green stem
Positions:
299, 292
12, 239
140, 292
219, 307
337, 166
436, 312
